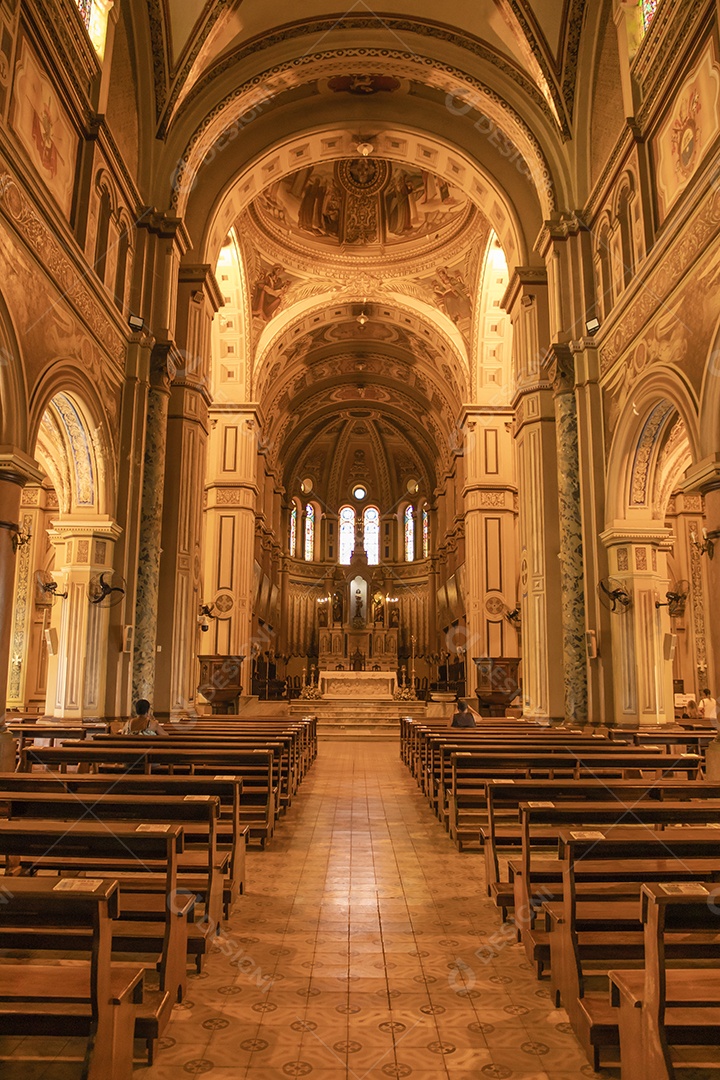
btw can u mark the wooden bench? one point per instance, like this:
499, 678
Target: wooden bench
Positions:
200, 869
610, 926
470, 773
96, 999
659, 1007
257, 768
231, 833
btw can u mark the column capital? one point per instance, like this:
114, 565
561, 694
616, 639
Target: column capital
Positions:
201, 275
703, 477
522, 279
560, 227
166, 227
560, 368
97, 528
625, 533
163, 365
17, 467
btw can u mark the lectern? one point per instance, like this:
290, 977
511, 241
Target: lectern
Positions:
497, 683
220, 682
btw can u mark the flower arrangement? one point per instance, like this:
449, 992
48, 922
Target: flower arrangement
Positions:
405, 693
310, 692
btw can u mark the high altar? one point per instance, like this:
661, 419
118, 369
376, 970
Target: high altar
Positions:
358, 621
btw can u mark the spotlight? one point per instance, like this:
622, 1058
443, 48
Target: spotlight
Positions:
592, 326
136, 323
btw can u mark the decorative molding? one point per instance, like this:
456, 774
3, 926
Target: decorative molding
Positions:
49, 254
319, 28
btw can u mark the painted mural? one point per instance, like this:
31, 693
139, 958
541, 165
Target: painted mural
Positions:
361, 201
689, 130
42, 125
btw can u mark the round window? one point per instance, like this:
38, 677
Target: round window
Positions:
359, 492
306, 486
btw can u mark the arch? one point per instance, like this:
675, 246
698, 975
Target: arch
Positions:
107, 206
123, 264
709, 423
82, 420
293, 526
635, 486
407, 520
371, 534
14, 425
603, 266
623, 212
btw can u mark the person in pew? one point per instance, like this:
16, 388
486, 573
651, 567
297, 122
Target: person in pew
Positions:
144, 723
690, 712
463, 716
708, 708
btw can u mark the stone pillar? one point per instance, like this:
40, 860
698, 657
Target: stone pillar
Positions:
16, 469
162, 370
491, 562
229, 556
77, 670
526, 300
561, 374
705, 479
641, 631
685, 515
591, 449
177, 670
26, 612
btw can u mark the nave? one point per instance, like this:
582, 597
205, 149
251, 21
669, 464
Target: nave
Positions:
353, 952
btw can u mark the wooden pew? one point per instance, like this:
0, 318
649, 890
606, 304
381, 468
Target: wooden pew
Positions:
256, 767
508, 828
30, 842
659, 1007
231, 833
156, 922
626, 854
470, 773
96, 1000
589, 815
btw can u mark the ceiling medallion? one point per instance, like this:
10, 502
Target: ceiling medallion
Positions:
363, 175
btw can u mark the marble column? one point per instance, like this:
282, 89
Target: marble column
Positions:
561, 374
591, 449
162, 370
641, 638
16, 469
705, 479
25, 629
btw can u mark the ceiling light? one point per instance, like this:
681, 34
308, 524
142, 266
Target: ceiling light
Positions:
364, 148
363, 319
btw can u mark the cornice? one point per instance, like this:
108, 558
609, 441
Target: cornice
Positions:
627, 534
17, 467
203, 275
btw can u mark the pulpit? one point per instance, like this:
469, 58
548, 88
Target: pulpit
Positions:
497, 683
220, 682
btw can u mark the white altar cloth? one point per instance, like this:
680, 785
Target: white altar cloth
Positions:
358, 684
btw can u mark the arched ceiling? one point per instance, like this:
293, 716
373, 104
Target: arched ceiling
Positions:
533, 42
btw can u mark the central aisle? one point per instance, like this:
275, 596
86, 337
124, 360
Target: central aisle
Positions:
354, 951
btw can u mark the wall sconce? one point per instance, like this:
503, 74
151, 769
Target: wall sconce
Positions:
707, 545
204, 616
390, 599
19, 537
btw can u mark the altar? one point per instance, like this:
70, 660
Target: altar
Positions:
379, 685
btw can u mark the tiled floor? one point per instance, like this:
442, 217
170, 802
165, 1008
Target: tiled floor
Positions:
354, 953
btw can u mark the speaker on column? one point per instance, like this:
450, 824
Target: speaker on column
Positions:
669, 643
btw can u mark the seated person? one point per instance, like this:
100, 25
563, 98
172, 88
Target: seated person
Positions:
144, 723
463, 716
690, 712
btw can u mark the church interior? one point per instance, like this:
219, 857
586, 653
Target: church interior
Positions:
371, 369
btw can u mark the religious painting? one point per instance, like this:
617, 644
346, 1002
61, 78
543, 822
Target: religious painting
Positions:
267, 292
43, 127
689, 129
361, 201
363, 85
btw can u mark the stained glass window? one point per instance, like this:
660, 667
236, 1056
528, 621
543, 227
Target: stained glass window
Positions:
85, 9
309, 532
426, 532
293, 530
371, 524
409, 534
347, 533
649, 7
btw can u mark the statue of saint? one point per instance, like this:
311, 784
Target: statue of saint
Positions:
378, 610
337, 608
358, 604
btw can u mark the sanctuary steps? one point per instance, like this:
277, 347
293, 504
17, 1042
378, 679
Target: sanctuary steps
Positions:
358, 718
